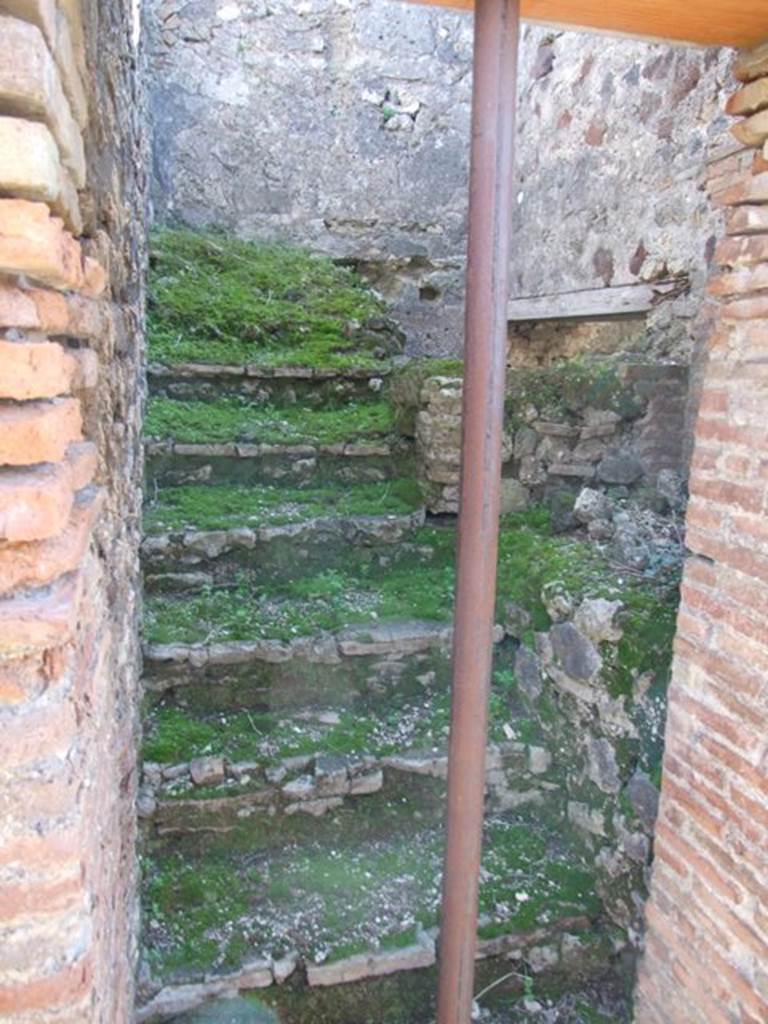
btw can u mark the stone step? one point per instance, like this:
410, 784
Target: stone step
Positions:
197, 537
279, 386
352, 668
170, 463
341, 911
250, 797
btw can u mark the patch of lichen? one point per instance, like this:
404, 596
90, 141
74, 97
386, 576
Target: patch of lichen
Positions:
237, 419
214, 298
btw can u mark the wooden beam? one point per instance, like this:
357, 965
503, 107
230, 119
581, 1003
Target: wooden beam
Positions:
739, 23
592, 303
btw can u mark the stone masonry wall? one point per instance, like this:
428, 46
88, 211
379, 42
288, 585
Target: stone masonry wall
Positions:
614, 427
345, 126
707, 930
72, 183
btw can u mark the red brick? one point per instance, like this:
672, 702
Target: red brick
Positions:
40, 619
55, 991
749, 190
748, 497
34, 369
35, 245
743, 252
40, 562
730, 433
38, 431
36, 503
51, 312
33, 855
754, 308
747, 220
40, 897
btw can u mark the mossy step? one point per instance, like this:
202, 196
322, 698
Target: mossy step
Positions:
221, 508
277, 386
202, 535
231, 420
218, 299
324, 906
352, 668
313, 798
198, 560
169, 464
413, 581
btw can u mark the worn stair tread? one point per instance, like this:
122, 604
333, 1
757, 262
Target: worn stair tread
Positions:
284, 370
231, 420
176, 510
325, 903
414, 580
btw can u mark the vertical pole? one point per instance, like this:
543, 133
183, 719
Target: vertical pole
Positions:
490, 210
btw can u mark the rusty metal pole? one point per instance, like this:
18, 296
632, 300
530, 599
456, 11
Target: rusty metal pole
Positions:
490, 215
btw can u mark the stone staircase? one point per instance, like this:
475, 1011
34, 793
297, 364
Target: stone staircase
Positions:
298, 606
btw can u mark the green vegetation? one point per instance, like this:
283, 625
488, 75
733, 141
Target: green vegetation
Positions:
236, 419
216, 299
418, 584
333, 901
557, 391
226, 507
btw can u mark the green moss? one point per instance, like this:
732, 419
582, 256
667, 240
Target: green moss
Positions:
216, 299
205, 895
418, 584
335, 900
221, 507
406, 384
236, 419
561, 390
173, 735
531, 880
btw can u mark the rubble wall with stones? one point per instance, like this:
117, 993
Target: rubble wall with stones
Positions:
72, 178
612, 428
379, 97
707, 932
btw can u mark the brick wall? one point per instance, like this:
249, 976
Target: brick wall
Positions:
706, 959
71, 252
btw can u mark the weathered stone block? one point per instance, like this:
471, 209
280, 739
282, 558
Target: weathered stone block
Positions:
207, 771
623, 469
30, 169
574, 653
750, 99
30, 86
63, 33
753, 131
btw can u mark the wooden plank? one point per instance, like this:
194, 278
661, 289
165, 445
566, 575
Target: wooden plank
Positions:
740, 23
591, 303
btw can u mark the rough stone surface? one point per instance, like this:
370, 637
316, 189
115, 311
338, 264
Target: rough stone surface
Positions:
381, 101
573, 652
